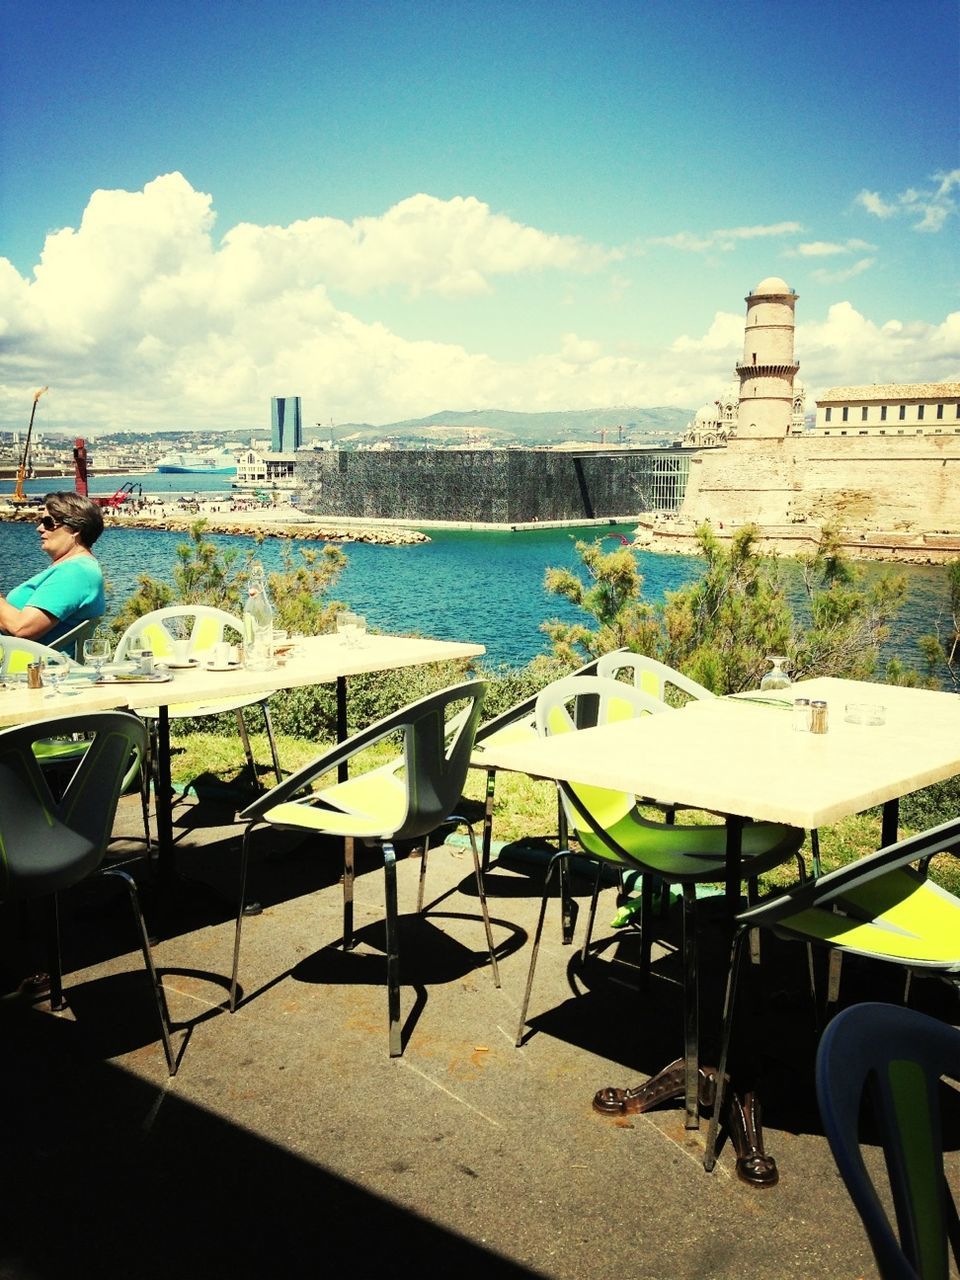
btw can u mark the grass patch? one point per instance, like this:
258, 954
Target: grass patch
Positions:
524, 808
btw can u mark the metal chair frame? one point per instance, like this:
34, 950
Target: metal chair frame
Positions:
435, 763
36, 823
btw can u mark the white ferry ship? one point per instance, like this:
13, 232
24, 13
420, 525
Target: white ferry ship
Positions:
198, 464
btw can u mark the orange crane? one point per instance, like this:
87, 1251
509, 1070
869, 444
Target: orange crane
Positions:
18, 494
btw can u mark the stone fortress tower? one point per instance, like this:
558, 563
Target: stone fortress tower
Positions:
890, 484
768, 367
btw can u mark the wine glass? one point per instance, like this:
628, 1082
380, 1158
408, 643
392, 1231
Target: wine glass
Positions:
53, 674
96, 652
777, 678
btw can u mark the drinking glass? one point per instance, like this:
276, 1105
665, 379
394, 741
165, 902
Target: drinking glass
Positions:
347, 627
53, 674
359, 630
96, 652
777, 678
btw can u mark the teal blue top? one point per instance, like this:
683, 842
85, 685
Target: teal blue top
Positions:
70, 591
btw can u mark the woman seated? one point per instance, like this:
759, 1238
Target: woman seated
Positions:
70, 590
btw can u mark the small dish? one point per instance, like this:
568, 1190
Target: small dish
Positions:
221, 666
865, 713
174, 665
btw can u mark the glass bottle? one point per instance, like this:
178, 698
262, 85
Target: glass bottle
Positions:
258, 622
777, 678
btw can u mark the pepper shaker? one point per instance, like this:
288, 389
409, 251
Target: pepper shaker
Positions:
818, 717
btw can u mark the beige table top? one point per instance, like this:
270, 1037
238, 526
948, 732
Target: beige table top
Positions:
321, 659
737, 757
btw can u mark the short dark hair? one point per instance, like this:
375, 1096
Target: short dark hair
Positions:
78, 512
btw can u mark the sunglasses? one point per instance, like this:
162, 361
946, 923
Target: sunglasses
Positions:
51, 522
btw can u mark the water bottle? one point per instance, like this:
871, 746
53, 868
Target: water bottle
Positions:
258, 622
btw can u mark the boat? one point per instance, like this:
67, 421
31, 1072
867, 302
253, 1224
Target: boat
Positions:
197, 464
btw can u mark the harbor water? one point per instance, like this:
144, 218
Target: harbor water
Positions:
482, 587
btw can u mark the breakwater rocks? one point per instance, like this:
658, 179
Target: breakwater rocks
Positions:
267, 524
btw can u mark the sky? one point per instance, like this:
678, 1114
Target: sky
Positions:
398, 207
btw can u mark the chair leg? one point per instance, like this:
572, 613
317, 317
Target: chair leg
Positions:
145, 806
815, 854
710, 1154
691, 1010
593, 912
393, 949
156, 985
568, 905
54, 960
244, 863
268, 724
488, 819
349, 850
482, 895
248, 750
647, 885
551, 866
422, 882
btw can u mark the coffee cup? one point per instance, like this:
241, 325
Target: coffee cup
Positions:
181, 651
222, 654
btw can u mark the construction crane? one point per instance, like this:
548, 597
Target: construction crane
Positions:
602, 433
18, 494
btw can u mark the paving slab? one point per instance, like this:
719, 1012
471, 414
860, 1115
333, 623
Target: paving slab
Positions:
289, 1143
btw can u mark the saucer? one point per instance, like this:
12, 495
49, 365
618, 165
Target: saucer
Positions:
228, 666
174, 665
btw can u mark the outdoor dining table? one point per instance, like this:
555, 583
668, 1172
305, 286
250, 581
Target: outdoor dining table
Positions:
743, 759
314, 660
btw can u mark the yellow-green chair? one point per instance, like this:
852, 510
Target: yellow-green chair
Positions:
610, 828
407, 799
878, 907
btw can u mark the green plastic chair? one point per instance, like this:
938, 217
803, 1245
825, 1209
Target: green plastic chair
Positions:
407, 799
611, 829
652, 677
878, 907
59, 754
895, 1058
49, 843
204, 627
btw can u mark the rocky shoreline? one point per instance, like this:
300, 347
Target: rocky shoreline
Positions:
270, 522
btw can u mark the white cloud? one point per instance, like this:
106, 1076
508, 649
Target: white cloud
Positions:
828, 248
840, 276
724, 240
929, 207
139, 318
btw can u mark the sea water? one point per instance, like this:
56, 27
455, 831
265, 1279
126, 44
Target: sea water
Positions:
486, 587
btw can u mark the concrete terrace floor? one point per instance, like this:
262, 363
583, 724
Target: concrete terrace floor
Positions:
290, 1144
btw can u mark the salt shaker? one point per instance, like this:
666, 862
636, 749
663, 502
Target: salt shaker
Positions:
801, 714
146, 662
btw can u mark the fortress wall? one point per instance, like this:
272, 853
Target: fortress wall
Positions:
492, 486
889, 483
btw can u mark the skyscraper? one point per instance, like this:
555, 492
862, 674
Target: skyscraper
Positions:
286, 430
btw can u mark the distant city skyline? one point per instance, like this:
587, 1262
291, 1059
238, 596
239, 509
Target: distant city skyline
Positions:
398, 208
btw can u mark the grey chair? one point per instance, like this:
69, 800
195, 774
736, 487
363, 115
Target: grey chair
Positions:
406, 799
49, 843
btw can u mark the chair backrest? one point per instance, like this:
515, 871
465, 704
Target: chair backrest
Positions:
652, 677
27, 830
826, 894
18, 653
560, 709
436, 755
88, 803
897, 1057
202, 625
520, 722
71, 642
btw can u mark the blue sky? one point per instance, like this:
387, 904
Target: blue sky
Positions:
395, 208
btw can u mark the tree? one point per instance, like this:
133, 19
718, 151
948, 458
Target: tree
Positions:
826, 617
205, 573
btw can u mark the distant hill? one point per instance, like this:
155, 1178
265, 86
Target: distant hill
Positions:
505, 427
